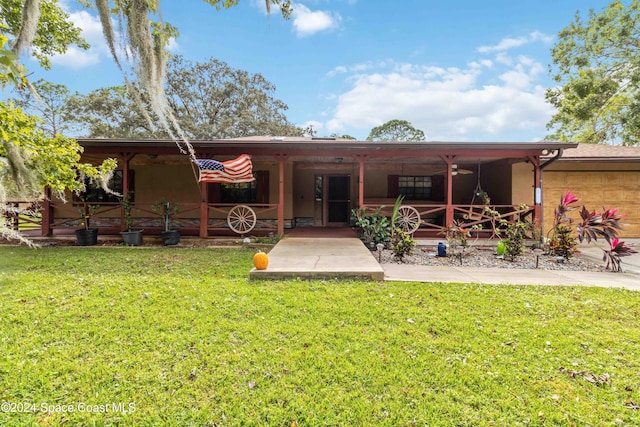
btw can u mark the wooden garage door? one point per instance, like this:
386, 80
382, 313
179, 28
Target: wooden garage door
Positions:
614, 189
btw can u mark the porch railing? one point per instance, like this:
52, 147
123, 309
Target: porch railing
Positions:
488, 218
109, 216
266, 216
432, 216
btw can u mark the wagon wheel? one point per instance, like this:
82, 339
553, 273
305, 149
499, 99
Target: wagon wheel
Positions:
241, 219
408, 219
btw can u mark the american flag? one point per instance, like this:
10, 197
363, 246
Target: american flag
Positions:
237, 170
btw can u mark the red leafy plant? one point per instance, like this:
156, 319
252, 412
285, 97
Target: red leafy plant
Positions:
592, 226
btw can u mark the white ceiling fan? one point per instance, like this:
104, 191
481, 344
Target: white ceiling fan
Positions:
455, 170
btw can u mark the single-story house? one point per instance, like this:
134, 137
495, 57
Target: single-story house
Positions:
315, 182
319, 182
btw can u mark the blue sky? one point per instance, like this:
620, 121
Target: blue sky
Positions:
465, 70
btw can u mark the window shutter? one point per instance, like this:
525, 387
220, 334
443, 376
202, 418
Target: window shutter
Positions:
393, 186
213, 189
437, 187
262, 186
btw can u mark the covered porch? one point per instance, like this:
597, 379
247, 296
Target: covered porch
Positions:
311, 182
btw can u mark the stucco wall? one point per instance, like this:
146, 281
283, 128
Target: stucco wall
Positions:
522, 190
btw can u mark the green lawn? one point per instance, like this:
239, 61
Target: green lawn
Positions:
181, 337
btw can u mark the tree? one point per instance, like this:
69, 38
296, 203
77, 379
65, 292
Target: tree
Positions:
139, 51
209, 100
54, 33
597, 67
110, 113
345, 136
50, 102
396, 130
212, 100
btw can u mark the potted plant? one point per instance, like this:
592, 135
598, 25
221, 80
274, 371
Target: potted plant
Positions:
168, 211
87, 236
132, 236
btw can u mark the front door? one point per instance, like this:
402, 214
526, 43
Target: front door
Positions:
338, 200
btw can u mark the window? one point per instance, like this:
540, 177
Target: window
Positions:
242, 192
95, 194
415, 187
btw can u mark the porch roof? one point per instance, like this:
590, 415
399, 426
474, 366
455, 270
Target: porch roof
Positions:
324, 143
306, 146
602, 152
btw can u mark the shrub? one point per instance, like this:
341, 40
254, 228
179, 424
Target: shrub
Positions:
372, 227
402, 243
515, 235
592, 225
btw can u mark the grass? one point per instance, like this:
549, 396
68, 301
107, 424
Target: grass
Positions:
186, 339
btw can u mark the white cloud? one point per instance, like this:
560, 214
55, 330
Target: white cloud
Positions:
340, 69
514, 42
357, 68
475, 102
307, 22
91, 28
92, 32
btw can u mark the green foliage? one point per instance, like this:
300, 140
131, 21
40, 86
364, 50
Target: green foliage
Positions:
396, 130
36, 161
51, 106
403, 243
110, 112
54, 33
515, 235
372, 227
597, 70
501, 248
11, 72
127, 207
85, 213
394, 213
167, 210
593, 225
563, 243
190, 341
230, 102
345, 136
271, 239
457, 234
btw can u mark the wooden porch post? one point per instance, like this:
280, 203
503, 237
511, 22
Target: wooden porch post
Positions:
204, 210
47, 213
449, 210
537, 190
360, 158
282, 158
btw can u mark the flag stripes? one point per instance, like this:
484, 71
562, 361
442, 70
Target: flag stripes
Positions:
236, 170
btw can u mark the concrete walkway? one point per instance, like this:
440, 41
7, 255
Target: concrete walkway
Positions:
327, 258
320, 258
